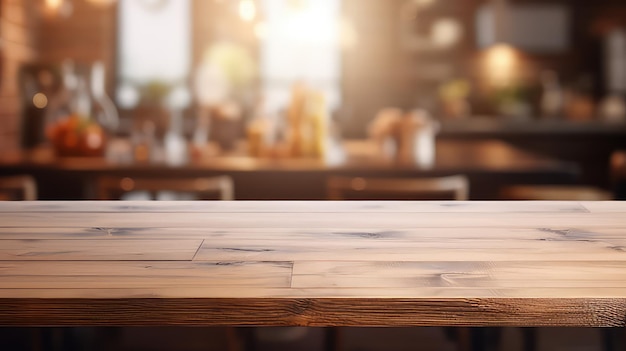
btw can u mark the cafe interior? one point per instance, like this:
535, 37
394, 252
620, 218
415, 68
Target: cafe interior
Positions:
313, 100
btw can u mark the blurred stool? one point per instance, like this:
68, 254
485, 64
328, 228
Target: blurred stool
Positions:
19, 187
555, 193
439, 188
208, 188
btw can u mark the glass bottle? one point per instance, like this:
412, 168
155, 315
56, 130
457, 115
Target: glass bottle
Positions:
85, 113
103, 109
39, 84
552, 95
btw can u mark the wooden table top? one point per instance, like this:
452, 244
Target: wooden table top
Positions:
313, 263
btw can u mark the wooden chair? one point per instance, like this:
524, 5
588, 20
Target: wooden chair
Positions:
20, 187
219, 188
440, 188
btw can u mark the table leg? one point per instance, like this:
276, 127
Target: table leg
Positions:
48, 339
331, 340
477, 339
249, 339
607, 339
529, 339
232, 342
485, 338
463, 338
36, 339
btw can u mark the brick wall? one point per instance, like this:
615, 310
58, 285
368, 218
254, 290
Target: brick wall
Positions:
86, 36
27, 35
18, 28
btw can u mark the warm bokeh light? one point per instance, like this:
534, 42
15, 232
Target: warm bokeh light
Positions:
62, 8
420, 31
348, 36
102, 2
500, 63
260, 30
424, 2
54, 4
446, 32
501, 56
40, 100
247, 10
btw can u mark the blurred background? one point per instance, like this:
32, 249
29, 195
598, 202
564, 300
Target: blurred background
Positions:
312, 100
504, 92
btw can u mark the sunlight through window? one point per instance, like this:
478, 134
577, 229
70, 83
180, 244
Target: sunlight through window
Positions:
300, 43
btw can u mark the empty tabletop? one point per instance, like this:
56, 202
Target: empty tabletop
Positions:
313, 263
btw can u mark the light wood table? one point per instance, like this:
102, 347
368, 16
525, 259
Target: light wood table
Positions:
313, 263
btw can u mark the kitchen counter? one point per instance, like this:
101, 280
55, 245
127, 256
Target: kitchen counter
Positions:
493, 126
587, 144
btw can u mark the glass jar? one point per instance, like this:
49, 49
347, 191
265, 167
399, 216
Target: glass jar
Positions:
87, 115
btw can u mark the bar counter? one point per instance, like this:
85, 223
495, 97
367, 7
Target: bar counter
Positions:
313, 263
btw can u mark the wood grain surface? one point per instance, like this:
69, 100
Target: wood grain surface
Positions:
313, 263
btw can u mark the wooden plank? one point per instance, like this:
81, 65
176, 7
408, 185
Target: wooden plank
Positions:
351, 236
247, 292
314, 312
539, 274
97, 250
503, 249
145, 275
284, 244
295, 206
376, 220
605, 206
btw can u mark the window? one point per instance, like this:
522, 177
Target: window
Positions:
154, 46
300, 42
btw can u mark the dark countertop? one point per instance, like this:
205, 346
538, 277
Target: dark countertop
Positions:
483, 125
489, 164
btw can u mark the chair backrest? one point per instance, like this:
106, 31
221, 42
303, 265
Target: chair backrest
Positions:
20, 187
220, 188
438, 188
